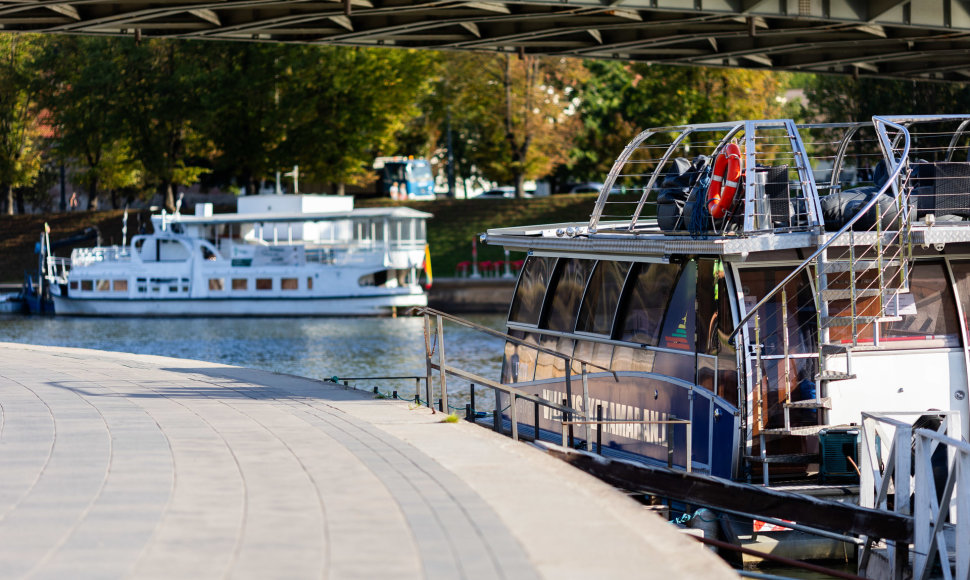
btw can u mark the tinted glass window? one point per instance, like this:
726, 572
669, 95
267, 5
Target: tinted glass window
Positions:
931, 312
602, 296
679, 320
527, 303
650, 289
567, 291
802, 321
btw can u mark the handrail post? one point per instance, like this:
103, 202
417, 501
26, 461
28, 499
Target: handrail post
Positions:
515, 419
589, 445
690, 449
441, 363
427, 359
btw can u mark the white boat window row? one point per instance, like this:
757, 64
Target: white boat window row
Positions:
182, 285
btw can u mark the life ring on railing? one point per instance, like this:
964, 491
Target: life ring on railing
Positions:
724, 181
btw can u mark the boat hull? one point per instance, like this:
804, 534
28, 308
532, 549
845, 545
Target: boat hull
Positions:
379, 305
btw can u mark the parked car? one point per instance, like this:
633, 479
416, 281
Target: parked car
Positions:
588, 187
502, 192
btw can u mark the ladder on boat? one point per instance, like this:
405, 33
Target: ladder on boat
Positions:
860, 275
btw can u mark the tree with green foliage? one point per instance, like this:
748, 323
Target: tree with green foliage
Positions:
843, 98
81, 86
160, 101
621, 99
21, 122
245, 122
346, 105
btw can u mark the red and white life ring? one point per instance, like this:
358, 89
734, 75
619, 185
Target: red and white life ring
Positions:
724, 181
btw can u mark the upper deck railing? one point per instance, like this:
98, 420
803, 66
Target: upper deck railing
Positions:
665, 173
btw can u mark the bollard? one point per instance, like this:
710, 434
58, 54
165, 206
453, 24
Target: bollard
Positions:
346, 383
496, 425
468, 412
417, 399
394, 395
599, 429
417, 389
441, 406
375, 390
471, 395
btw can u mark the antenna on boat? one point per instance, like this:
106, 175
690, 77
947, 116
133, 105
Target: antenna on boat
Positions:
178, 205
124, 228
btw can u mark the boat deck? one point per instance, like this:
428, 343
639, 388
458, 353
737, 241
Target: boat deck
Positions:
120, 465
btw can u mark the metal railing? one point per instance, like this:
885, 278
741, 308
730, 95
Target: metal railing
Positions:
886, 468
599, 422
890, 182
931, 512
435, 348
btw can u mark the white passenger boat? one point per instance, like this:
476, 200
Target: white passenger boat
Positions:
761, 282
291, 255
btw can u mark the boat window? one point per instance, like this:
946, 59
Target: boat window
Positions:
119, 285
527, 302
309, 283
240, 284
264, 283
602, 296
103, 285
289, 284
930, 315
802, 321
74, 285
208, 254
565, 293
646, 296
87, 285
217, 284
679, 320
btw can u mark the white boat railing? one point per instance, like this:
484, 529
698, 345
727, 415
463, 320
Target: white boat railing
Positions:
88, 256
932, 537
885, 468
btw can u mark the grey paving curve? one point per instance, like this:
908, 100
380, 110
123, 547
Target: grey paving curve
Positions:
128, 466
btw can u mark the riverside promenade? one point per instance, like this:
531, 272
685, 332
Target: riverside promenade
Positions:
116, 465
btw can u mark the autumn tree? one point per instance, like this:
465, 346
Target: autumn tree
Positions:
20, 119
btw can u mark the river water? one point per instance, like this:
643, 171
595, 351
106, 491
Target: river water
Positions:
310, 347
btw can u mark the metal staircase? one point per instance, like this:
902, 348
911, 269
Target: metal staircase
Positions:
859, 277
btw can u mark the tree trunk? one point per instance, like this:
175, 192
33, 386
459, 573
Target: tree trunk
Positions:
341, 189
93, 194
19, 194
168, 192
8, 197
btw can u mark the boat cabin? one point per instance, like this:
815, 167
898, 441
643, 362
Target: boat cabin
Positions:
743, 292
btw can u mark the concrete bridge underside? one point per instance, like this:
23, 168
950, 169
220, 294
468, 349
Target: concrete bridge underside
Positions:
918, 39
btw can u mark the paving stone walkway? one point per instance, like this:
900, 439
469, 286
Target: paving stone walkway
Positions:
128, 466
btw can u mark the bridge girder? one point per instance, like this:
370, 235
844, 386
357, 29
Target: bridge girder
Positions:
915, 39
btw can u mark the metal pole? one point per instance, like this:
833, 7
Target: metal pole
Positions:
472, 397
441, 362
589, 444
536, 419
568, 417
427, 359
514, 416
468, 412
690, 450
599, 429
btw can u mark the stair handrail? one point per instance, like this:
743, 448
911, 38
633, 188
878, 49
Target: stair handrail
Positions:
865, 209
